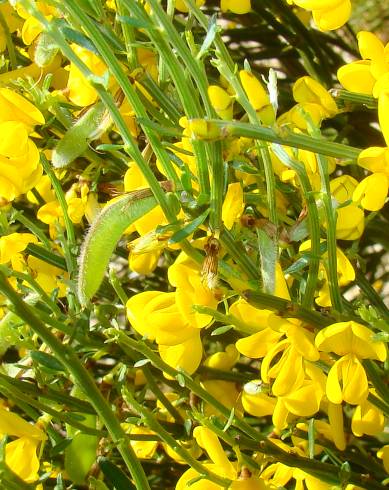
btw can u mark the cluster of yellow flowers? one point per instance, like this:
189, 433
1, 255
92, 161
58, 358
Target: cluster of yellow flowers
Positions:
297, 371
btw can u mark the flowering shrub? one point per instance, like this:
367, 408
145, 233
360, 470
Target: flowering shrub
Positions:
193, 265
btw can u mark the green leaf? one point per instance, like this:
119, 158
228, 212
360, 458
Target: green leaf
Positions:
60, 447
230, 420
212, 30
134, 22
76, 36
114, 475
189, 228
103, 236
76, 140
48, 257
141, 362
221, 330
47, 360
80, 454
45, 50
268, 253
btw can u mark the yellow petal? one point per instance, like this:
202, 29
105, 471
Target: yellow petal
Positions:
371, 192
233, 205
12, 424
333, 18
357, 77
186, 356
208, 440
236, 6
369, 45
367, 419
257, 345
383, 114
21, 457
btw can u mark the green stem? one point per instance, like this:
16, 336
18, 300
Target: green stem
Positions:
71, 255
82, 379
12, 392
184, 87
284, 137
37, 288
314, 224
154, 425
288, 309
129, 38
30, 225
355, 98
49, 393
332, 268
115, 282
9, 43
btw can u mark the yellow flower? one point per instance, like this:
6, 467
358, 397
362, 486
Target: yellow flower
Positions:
383, 454
256, 401
221, 101
182, 7
350, 338
20, 169
357, 77
48, 276
350, 218
220, 465
186, 355
185, 275
258, 97
308, 90
369, 75
223, 360
383, 114
345, 273
81, 91
233, 205
375, 159
143, 449
327, 14
352, 342
155, 315
236, 6
21, 454
13, 23
11, 245
371, 192
14, 107
367, 419
347, 381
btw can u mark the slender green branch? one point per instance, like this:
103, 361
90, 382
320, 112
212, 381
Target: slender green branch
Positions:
284, 137
82, 379
154, 425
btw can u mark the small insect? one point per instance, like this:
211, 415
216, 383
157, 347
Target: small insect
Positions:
210, 264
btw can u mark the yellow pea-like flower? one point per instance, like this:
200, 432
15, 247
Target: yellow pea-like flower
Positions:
350, 338
383, 114
347, 381
371, 192
221, 101
258, 97
367, 419
332, 18
236, 6
15, 107
357, 77
375, 159
383, 454
233, 205
181, 6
